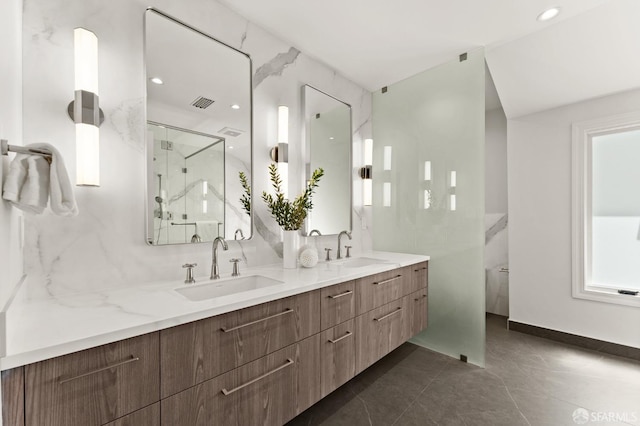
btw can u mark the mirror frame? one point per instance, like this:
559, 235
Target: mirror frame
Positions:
307, 153
149, 165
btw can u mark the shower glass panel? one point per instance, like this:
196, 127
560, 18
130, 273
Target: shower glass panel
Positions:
428, 180
188, 179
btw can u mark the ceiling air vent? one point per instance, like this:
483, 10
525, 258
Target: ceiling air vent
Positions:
202, 102
228, 131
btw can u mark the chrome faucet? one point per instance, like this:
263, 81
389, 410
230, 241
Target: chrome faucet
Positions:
215, 273
238, 231
314, 231
348, 234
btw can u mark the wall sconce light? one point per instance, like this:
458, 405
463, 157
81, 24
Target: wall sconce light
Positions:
280, 152
366, 173
85, 110
386, 194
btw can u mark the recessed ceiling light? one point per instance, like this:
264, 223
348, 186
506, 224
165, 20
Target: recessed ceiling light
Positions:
235, 106
330, 137
230, 146
156, 80
549, 14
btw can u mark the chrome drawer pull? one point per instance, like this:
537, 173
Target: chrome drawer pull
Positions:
388, 315
250, 382
419, 298
337, 296
420, 269
237, 327
340, 338
387, 281
98, 370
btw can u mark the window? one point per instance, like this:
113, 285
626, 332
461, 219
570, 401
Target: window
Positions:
606, 209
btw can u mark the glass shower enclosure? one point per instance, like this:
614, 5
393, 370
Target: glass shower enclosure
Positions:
188, 181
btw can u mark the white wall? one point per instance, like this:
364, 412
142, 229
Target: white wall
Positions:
539, 173
496, 251
105, 245
11, 130
495, 161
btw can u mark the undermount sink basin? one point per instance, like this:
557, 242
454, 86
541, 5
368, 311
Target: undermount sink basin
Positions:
359, 262
212, 289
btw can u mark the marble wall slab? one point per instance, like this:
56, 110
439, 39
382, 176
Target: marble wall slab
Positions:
105, 245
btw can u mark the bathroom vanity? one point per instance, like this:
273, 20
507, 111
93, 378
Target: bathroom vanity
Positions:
263, 363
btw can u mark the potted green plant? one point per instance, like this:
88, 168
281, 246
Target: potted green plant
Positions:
290, 215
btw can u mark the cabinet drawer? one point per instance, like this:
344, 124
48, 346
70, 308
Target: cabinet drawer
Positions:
338, 359
419, 276
379, 331
266, 391
337, 304
195, 352
149, 416
376, 290
95, 386
418, 304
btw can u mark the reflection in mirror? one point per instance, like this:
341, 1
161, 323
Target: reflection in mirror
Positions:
328, 145
198, 134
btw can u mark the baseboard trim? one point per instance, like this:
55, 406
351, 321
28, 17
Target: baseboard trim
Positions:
573, 339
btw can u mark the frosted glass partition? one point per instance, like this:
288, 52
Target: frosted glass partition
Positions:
428, 180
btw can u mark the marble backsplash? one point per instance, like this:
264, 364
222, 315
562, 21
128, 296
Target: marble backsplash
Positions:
104, 246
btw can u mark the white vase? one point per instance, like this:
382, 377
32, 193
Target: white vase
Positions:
290, 245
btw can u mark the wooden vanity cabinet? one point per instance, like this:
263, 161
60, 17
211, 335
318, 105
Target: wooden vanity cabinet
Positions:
94, 386
261, 365
198, 351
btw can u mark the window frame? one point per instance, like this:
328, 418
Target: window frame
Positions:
581, 185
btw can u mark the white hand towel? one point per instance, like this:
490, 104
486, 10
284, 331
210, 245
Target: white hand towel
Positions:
16, 177
63, 201
32, 180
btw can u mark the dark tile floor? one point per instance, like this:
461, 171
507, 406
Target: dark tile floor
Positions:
527, 381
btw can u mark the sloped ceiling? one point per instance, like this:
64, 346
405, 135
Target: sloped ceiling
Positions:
589, 50
591, 55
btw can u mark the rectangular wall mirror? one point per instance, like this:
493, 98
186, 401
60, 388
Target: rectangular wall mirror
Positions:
328, 145
199, 134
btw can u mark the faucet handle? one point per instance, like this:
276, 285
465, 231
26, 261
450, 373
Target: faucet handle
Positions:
189, 266
236, 269
348, 252
328, 250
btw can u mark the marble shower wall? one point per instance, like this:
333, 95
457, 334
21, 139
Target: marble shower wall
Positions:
105, 245
496, 261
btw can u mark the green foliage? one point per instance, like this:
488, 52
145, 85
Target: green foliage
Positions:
245, 199
290, 215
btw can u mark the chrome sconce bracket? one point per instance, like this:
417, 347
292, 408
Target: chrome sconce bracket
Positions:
85, 109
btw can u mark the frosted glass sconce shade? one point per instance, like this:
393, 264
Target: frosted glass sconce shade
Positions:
427, 170
280, 152
85, 109
453, 179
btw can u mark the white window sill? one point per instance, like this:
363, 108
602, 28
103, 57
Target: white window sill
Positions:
607, 295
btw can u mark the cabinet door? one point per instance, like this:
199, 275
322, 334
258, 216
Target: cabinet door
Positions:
338, 358
418, 303
337, 304
199, 351
266, 392
95, 386
203, 405
149, 416
420, 276
378, 331
376, 290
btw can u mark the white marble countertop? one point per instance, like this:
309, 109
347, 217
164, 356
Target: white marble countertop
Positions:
43, 329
